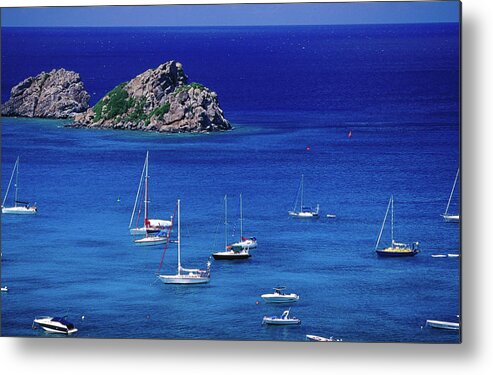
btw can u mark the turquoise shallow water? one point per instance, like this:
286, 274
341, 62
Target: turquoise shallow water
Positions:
284, 88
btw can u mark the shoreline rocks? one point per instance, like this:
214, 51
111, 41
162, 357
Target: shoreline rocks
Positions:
160, 100
57, 94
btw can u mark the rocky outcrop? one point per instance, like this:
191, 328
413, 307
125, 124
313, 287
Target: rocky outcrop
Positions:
160, 100
57, 94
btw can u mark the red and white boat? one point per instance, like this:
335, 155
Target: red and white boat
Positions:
149, 226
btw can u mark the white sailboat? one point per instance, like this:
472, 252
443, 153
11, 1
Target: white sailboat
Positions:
247, 243
396, 249
186, 275
19, 207
150, 225
229, 252
454, 218
304, 211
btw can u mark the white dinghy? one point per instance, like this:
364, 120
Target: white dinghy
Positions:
284, 319
19, 207
186, 275
279, 296
452, 218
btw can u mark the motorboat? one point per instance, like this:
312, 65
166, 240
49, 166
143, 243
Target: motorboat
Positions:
331, 216
284, 319
279, 296
19, 207
438, 255
5, 289
185, 275
443, 325
453, 255
321, 339
396, 249
303, 211
55, 325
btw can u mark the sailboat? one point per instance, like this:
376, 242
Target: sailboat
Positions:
19, 207
304, 211
186, 275
455, 218
395, 249
244, 242
150, 225
229, 252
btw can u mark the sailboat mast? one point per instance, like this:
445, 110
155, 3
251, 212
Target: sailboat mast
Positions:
137, 196
383, 224
179, 239
241, 218
10, 183
452, 192
392, 222
302, 192
16, 182
225, 221
146, 196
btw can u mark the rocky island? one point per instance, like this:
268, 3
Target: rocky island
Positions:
159, 99
57, 94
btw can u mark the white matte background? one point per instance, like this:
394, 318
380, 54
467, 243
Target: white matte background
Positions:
474, 356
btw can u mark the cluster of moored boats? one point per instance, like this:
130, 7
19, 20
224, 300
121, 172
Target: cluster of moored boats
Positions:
158, 232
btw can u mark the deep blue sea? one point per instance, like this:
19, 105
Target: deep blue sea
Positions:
395, 87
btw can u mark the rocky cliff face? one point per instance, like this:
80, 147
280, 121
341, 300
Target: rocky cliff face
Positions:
57, 94
157, 100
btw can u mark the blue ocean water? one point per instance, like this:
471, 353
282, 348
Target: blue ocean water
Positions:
396, 87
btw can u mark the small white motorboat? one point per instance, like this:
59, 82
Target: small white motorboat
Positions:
279, 296
453, 255
331, 216
443, 325
321, 339
5, 289
285, 319
55, 325
438, 255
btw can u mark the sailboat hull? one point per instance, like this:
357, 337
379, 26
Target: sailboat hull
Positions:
394, 253
305, 215
20, 210
230, 255
150, 241
184, 279
451, 218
